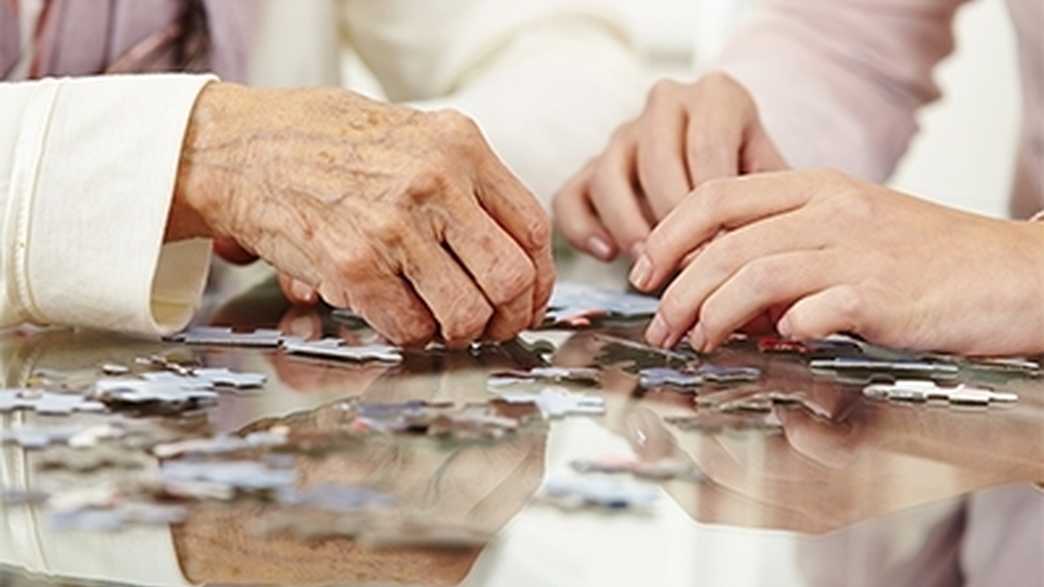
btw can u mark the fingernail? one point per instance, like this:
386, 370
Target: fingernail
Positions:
597, 246
302, 291
784, 328
658, 331
642, 273
697, 339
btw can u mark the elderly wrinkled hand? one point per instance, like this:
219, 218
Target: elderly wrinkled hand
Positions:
687, 135
829, 253
406, 217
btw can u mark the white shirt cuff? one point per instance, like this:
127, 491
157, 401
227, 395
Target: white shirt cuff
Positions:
91, 190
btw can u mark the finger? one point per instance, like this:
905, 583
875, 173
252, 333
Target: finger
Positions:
842, 308
502, 270
712, 144
661, 149
389, 304
758, 286
230, 250
715, 206
297, 292
544, 266
760, 154
831, 444
615, 197
576, 219
302, 322
455, 301
515, 209
720, 261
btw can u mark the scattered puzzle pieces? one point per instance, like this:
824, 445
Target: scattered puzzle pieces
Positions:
661, 470
577, 375
46, 403
596, 493
577, 306
249, 476
556, 402
336, 498
222, 444
218, 336
933, 369
118, 517
335, 348
656, 377
931, 392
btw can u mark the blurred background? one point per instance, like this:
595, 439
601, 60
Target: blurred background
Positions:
963, 157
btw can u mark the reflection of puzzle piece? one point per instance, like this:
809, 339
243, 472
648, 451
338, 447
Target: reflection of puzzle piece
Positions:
657, 377
73, 436
765, 402
154, 388
335, 348
37, 438
933, 369
555, 402
637, 356
17, 497
226, 378
662, 470
46, 403
335, 498
218, 336
89, 461
666, 377
235, 475
581, 375
118, 517
221, 444
597, 493
929, 391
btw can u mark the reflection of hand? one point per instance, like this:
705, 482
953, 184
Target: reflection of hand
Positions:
406, 217
821, 474
308, 375
481, 485
844, 255
688, 134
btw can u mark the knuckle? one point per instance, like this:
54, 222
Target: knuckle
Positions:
623, 133
538, 230
354, 263
851, 305
760, 276
432, 180
460, 134
663, 91
390, 230
718, 260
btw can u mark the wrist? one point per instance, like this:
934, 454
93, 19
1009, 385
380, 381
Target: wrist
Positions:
204, 183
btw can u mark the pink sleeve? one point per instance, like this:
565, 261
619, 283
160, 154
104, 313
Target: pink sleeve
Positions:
839, 82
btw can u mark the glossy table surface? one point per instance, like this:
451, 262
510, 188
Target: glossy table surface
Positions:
850, 492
